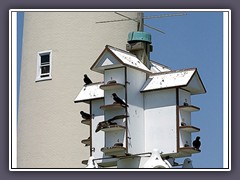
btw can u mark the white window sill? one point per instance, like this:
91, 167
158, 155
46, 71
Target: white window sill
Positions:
43, 79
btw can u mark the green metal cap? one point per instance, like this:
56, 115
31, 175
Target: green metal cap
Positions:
139, 36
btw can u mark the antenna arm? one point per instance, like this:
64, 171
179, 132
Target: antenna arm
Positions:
138, 22
126, 17
154, 28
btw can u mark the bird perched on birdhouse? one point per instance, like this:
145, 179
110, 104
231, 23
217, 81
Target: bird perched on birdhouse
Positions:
104, 124
85, 115
87, 80
185, 103
197, 143
118, 100
187, 163
118, 144
112, 82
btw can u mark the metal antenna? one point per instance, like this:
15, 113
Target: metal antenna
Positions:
165, 15
140, 20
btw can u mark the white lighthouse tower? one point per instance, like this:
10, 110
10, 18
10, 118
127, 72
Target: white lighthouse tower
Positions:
58, 49
153, 116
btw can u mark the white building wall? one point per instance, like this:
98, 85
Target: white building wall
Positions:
160, 121
49, 128
136, 133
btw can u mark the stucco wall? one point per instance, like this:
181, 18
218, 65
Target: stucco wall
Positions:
49, 128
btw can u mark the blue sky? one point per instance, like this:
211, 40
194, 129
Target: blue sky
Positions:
192, 40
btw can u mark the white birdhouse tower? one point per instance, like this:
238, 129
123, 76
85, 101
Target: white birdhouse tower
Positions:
154, 111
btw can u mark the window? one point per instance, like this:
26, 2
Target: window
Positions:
44, 63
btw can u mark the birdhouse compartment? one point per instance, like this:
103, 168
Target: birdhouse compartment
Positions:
184, 97
185, 139
98, 139
116, 74
184, 118
114, 137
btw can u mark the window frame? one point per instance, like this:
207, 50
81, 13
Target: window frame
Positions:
39, 65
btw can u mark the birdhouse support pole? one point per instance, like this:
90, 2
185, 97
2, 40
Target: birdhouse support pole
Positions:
126, 111
90, 105
177, 118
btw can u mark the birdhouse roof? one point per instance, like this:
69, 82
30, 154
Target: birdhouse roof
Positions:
90, 92
157, 67
112, 57
187, 79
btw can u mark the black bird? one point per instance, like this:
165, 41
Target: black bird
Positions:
104, 124
118, 100
185, 103
197, 143
87, 80
183, 124
85, 115
118, 144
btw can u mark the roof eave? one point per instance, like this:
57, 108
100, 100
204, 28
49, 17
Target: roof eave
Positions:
88, 100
